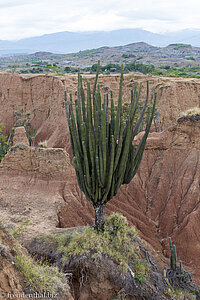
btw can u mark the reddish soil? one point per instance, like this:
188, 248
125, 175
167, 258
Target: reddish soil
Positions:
161, 201
43, 97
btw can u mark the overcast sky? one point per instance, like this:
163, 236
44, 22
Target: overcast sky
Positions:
24, 18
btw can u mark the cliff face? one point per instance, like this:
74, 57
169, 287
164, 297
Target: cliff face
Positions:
31, 185
43, 98
17, 281
166, 191
162, 200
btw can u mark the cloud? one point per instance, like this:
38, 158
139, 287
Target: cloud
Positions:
24, 18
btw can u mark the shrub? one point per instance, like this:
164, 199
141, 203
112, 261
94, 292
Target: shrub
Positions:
42, 144
4, 142
115, 242
191, 112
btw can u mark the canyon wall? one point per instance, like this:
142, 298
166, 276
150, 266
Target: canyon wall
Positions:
42, 96
162, 200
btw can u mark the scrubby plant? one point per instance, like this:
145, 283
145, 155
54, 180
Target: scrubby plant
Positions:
115, 242
103, 154
176, 275
191, 112
17, 231
141, 270
40, 277
5, 142
180, 294
3, 148
42, 144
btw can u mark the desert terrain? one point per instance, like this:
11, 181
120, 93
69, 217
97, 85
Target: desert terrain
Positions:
39, 185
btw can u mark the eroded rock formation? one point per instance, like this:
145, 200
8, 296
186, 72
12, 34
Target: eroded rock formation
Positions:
42, 97
40, 185
13, 280
31, 185
163, 199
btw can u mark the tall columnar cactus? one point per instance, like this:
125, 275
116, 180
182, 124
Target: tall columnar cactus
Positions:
173, 258
103, 154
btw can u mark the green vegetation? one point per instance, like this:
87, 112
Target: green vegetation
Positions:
20, 229
191, 112
126, 55
157, 121
130, 67
190, 58
104, 157
141, 270
4, 142
90, 52
180, 294
60, 68
176, 275
166, 71
179, 281
173, 256
37, 277
116, 242
180, 45
3, 148
40, 277
42, 144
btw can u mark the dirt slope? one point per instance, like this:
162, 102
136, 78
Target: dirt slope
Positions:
43, 97
13, 280
163, 198
161, 201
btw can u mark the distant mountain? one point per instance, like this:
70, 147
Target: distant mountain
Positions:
70, 42
186, 36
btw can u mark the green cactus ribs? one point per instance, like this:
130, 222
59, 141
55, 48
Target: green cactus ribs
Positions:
104, 156
176, 275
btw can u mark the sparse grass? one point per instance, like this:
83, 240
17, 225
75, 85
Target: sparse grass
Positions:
17, 231
42, 144
180, 294
141, 269
191, 112
116, 242
40, 277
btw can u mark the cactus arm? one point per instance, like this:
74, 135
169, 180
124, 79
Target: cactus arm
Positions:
130, 165
140, 148
119, 108
88, 181
94, 98
175, 256
110, 176
119, 145
96, 79
98, 169
82, 99
103, 131
112, 114
172, 254
135, 131
92, 156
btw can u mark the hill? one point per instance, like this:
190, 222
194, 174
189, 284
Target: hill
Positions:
176, 59
66, 42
